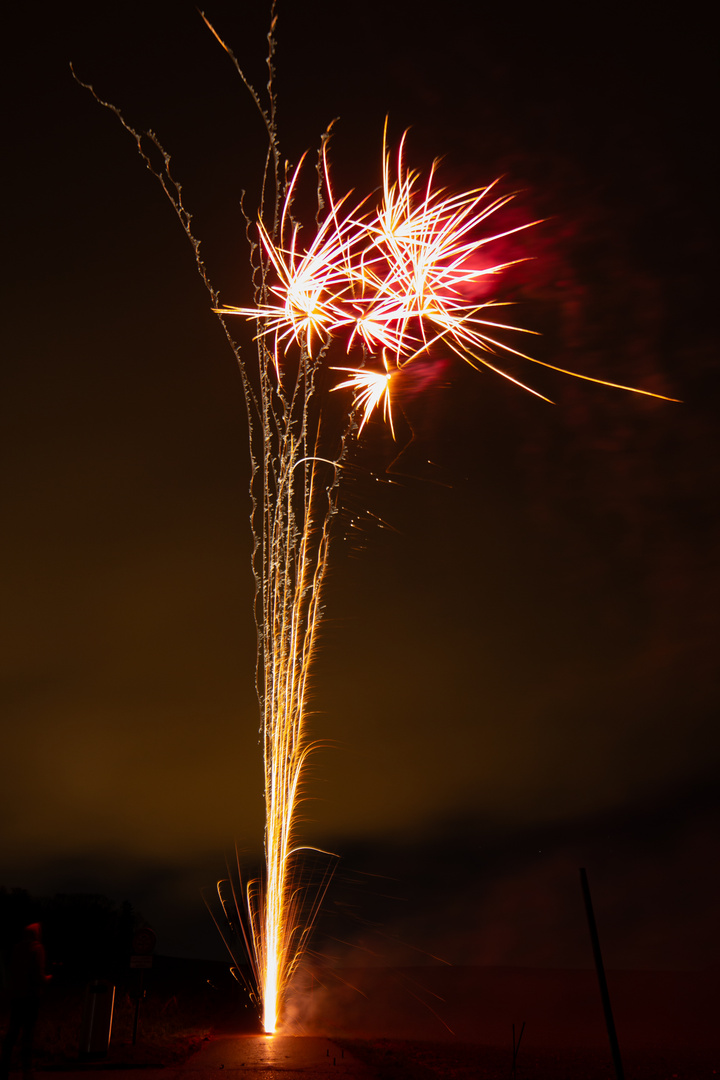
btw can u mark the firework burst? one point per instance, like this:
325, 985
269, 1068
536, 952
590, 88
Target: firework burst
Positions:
390, 283
383, 283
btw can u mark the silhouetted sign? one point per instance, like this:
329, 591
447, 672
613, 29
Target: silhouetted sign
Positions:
137, 961
143, 942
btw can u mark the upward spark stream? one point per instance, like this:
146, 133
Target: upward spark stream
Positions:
386, 285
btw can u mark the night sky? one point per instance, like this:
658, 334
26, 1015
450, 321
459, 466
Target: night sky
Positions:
518, 671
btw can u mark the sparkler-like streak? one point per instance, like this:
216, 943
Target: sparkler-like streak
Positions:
382, 284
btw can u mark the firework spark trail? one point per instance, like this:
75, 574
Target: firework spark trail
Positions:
384, 282
391, 282
387, 281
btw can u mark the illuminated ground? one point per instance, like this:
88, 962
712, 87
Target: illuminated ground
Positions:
257, 1057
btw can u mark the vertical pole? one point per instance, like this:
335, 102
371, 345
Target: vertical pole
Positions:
137, 1008
516, 1048
607, 1009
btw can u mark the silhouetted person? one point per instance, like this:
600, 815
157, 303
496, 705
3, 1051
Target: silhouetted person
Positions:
27, 979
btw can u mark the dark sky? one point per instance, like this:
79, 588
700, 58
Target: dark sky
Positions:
518, 675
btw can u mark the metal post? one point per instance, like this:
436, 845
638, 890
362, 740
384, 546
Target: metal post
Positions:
607, 1009
516, 1048
137, 1008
